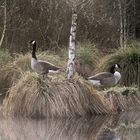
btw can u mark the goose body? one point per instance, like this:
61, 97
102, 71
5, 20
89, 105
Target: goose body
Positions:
43, 67
106, 78
40, 66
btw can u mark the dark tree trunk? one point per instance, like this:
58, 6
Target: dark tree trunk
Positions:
131, 18
137, 18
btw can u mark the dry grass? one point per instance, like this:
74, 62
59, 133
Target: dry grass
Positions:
11, 72
34, 96
23, 62
8, 76
7, 72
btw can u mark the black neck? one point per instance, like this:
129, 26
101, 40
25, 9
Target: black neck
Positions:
34, 52
112, 70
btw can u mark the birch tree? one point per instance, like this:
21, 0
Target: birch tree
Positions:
4, 27
77, 6
72, 44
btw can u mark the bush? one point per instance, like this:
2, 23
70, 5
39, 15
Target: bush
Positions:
129, 60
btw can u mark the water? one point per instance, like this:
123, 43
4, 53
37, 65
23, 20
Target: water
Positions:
120, 127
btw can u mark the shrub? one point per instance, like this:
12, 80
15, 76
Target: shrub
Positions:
129, 60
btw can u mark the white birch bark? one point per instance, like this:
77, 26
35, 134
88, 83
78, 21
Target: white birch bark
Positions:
72, 45
4, 28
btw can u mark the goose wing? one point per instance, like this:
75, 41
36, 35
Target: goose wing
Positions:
110, 81
101, 76
44, 65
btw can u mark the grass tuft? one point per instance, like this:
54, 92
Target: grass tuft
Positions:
129, 60
124, 98
87, 57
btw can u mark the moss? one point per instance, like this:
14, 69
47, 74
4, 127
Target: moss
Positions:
125, 91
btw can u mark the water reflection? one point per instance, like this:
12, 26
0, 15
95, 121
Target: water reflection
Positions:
122, 127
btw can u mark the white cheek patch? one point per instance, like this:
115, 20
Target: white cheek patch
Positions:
116, 66
33, 42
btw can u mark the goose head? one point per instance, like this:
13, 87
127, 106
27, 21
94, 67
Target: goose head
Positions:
115, 71
117, 66
114, 68
33, 45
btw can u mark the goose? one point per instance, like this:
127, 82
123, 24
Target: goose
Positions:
40, 66
105, 79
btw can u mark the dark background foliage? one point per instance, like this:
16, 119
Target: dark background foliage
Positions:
48, 22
